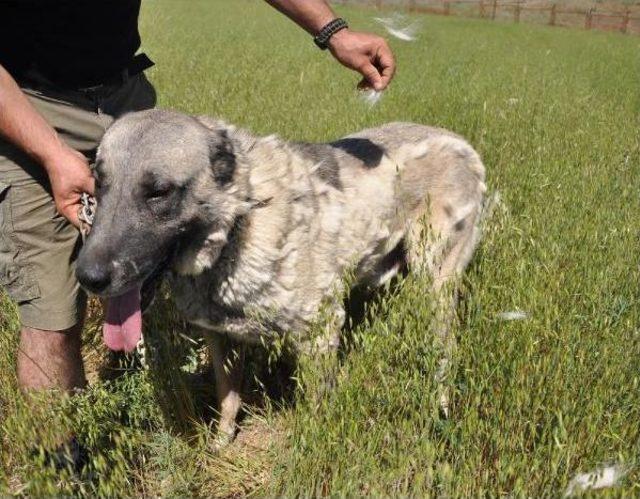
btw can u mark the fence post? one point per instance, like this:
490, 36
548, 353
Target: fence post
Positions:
588, 19
625, 20
516, 13
481, 4
493, 10
552, 16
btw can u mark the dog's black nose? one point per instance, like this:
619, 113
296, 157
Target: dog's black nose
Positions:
94, 277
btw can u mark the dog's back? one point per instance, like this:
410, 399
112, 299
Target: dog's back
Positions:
361, 201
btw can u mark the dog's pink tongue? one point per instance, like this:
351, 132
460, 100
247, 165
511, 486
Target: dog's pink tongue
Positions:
123, 324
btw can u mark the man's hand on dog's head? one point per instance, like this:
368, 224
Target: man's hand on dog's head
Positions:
70, 176
367, 54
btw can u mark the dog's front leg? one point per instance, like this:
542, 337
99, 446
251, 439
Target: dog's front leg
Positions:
322, 352
228, 365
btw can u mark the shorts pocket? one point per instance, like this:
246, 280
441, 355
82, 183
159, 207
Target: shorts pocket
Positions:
6, 248
13, 277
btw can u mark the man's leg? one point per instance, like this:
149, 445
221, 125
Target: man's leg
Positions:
50, 359
37, 262
37, 254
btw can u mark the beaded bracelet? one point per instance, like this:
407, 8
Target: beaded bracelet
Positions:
330, 29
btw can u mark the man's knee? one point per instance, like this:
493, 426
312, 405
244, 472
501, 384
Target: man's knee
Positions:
68, 336
50, 359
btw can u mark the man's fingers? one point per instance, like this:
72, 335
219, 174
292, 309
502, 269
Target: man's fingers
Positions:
75, 221
380, 70
371, 74
386, 64
70, 212
368, 54
364, 85
90, 186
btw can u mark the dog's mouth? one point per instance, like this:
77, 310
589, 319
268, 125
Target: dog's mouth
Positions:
122, 328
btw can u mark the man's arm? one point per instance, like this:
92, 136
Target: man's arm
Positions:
363, 52
23, 126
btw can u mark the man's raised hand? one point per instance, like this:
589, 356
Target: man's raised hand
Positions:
367, 54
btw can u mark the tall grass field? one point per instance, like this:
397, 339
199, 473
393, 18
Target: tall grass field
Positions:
546, 379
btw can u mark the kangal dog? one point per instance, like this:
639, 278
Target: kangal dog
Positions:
255, 233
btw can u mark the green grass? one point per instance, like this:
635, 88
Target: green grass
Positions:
555, 115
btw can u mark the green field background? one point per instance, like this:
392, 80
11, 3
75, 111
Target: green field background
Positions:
555, 115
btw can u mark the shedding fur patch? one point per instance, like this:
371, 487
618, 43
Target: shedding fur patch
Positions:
408, 152
601, 478
194, 261
513, 315
463, 212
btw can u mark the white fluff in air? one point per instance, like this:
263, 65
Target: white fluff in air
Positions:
397, 26
371, 97
513, 315
601, 478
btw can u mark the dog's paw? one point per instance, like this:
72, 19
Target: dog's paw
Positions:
222, 440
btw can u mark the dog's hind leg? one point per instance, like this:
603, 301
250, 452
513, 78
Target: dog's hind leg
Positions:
444, 249
228, 365
446, 183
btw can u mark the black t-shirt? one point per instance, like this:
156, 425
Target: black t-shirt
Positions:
73, 43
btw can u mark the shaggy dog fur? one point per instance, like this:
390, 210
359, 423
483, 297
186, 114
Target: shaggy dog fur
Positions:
256, 232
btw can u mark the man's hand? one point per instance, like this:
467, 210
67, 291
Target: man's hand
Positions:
70, 176
367, 54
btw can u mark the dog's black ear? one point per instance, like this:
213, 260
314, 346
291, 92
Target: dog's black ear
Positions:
222, 157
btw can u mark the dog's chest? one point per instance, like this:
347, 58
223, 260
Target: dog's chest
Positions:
243, 300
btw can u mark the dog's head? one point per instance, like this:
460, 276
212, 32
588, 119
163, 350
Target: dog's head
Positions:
163, 182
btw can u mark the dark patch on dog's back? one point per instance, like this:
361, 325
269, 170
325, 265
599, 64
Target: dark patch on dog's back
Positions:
365, 150
323, 157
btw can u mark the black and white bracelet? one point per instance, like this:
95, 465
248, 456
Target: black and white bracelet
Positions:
330, 29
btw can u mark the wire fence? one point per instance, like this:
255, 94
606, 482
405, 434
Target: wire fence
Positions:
625, 19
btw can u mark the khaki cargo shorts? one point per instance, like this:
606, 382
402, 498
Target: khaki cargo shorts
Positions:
38, 247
